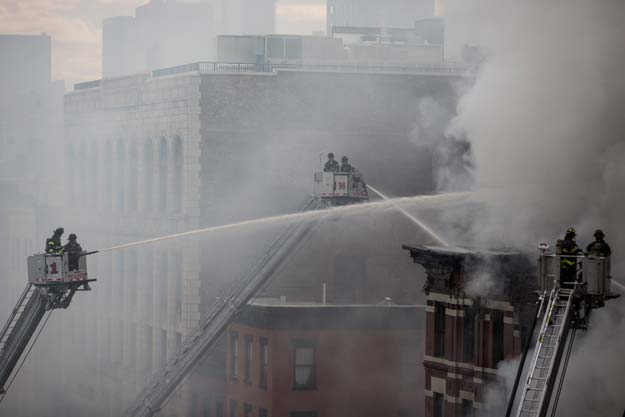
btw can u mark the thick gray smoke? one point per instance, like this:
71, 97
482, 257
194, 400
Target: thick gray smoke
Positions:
544, 116
545, 124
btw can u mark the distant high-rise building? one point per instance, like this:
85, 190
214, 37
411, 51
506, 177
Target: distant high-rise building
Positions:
26, 64
375, 13
166, 33
162, 34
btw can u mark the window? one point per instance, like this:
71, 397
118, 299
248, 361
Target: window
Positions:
468, 337
439, 329
264, 362
293, 48
303, 414
234, 412
163, 357
162, 176
497, 317
349, 278
262, 412
275, 47
304, 365
148, 172
219, 408
234, 358
247, 410
248, 358
439, 405
467, 408
178, 173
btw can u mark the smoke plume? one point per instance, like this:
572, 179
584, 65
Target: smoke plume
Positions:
545, 125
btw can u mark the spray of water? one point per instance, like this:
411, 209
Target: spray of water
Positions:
618, 284
352, 209
416, 221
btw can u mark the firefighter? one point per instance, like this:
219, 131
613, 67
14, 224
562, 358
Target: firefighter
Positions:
568, 265
332, 165
345, 165
53, 244
73, 250
599, 247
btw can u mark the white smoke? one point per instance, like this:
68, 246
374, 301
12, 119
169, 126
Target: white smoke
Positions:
543, 117
545, 124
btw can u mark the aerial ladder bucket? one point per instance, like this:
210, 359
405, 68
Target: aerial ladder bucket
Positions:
51, 285
565, 307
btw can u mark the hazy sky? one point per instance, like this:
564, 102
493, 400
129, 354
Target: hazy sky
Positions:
76, 27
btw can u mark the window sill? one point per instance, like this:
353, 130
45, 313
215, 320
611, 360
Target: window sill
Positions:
305, 388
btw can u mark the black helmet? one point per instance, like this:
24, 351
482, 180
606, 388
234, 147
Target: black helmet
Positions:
72, 236
58, 231
599, 234
570, 232
344, 158
330, 155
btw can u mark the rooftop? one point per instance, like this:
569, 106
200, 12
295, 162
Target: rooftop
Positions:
234, 67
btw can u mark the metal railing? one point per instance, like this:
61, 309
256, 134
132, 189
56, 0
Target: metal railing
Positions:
211, 67
88, 84
241, 67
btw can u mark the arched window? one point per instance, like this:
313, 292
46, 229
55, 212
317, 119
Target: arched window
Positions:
120, 176
162, 175
71, 157
148, 176
178, 190
94, 175
107, 176
81, 175
133, 175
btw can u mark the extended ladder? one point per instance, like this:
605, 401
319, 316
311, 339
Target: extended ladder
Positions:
18, 330
221, 314
545, 364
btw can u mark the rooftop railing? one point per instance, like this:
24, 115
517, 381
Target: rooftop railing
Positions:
211, 67
229, 67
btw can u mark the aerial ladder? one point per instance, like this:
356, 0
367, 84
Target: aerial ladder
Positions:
564, 307
52, 285
330, 189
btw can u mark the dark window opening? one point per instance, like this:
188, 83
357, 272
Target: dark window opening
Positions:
439, 329
467, 408
262, 412
349, 278
219, 408
234, 408
468, 336
234, 355
247, 410
264, 362
249, 346
304, 365
497, 317
303, 414
439, 405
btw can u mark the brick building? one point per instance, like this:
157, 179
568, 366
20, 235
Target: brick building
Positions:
479, 304
325, 360
189, 147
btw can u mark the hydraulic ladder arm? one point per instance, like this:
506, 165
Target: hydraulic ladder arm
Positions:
546, 363
221, 314
18, 330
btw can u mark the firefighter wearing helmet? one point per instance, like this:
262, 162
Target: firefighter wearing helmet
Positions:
599, 247
332, 164
568, 250
53, 244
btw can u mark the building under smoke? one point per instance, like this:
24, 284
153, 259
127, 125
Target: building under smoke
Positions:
154, 154
479, 307
374, 13
166, 33
31, 125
